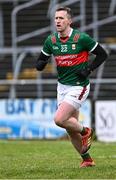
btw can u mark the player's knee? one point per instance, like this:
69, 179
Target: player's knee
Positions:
59, 121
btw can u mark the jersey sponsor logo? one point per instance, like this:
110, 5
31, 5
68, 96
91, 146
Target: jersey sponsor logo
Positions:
71, 59
65, 63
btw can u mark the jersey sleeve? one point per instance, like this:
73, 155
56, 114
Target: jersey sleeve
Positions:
89, 43
47, 50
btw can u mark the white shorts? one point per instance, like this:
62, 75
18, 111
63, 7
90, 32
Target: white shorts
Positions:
74, 95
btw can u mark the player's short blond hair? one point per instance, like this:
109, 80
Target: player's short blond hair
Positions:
67, 9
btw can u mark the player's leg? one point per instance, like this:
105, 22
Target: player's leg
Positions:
76, 139
76, 96
68, 104
65, 118
63, 115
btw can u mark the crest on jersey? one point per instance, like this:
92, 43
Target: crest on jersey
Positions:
73, 46
76, 37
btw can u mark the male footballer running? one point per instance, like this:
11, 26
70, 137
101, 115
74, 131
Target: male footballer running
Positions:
71, 49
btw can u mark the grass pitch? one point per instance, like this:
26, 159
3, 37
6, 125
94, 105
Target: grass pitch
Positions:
54, 160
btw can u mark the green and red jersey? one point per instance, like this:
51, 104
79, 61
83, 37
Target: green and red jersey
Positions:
70, 55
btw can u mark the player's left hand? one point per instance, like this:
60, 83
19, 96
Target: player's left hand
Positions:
83, 73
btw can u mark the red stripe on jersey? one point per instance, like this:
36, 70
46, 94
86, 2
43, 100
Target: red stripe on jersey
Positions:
71, 59
82, 93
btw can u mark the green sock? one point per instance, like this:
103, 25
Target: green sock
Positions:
86, 156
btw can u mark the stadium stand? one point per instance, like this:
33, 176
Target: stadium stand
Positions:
31, 22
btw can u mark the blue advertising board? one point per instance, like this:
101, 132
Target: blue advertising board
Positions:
33, 118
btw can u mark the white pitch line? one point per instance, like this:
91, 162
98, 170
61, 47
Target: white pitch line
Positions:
104, 157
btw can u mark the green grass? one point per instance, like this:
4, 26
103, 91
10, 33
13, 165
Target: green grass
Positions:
54, 160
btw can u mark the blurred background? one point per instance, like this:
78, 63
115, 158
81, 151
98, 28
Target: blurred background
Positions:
28, 97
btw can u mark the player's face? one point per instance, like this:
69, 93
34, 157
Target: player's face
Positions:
62, 21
